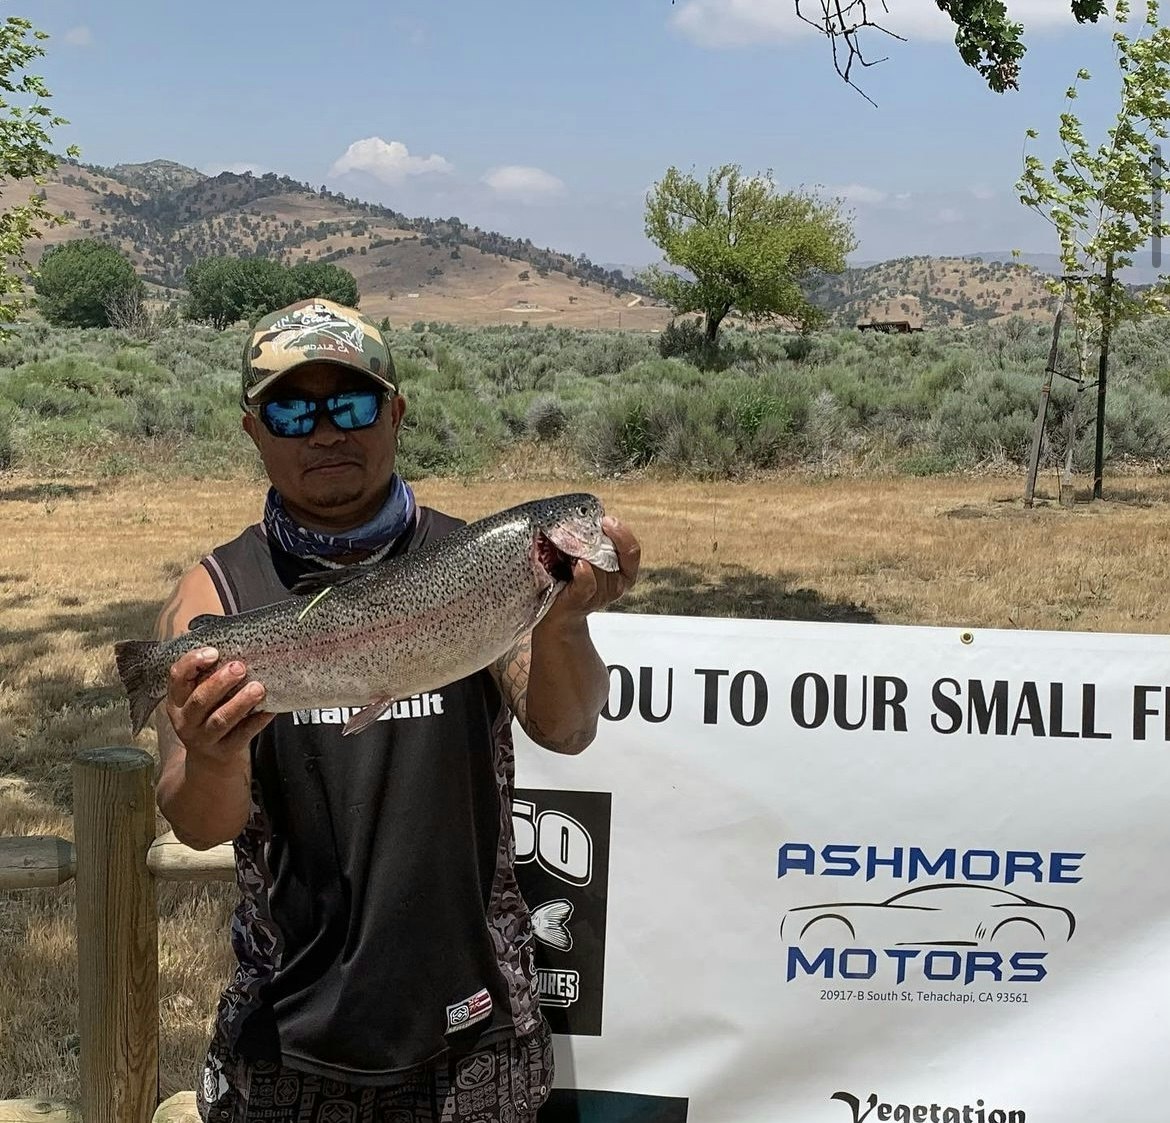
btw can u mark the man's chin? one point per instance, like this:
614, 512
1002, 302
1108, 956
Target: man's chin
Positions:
330, 494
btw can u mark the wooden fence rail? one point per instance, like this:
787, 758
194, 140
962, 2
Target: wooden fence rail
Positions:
116, 862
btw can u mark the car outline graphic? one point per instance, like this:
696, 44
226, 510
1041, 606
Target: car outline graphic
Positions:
974, 914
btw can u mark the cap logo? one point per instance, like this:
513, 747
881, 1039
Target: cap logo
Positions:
315, 330
318, 322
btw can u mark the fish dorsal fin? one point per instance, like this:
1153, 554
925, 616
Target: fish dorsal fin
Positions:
366, 716
317, 582
202, 621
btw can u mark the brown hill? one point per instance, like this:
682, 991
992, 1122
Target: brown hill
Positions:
165, 217
936, 292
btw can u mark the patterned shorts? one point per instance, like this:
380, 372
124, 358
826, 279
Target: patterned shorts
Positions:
505, 1082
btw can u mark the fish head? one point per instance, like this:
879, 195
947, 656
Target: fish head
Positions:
568, 527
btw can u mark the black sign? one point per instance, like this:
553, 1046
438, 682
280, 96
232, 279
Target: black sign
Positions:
571, 1106
562, 865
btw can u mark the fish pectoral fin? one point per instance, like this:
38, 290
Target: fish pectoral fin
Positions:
328, 578
367, 715
202, 621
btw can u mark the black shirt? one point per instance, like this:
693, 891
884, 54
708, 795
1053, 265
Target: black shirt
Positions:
381, 923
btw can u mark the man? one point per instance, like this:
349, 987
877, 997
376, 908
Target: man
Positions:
385, 954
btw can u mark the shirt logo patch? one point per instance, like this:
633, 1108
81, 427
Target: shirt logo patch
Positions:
469, 1011
417, 705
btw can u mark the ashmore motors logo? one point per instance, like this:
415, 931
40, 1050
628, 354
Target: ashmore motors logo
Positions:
562, 865
959, 930
926, 1113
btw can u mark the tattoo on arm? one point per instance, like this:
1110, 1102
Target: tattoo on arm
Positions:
572, 744
512, 675
511, 671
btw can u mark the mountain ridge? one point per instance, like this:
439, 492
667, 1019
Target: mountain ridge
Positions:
166, 216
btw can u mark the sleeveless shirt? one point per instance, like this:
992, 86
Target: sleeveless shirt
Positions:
380, 924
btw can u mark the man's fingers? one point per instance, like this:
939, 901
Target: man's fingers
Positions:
250, 726
186, 672
225, 720
209, 694
583, 588
629, 551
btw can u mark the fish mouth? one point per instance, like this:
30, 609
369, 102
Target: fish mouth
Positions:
553, 560
579, 540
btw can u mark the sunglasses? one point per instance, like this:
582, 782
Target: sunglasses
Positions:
298, 417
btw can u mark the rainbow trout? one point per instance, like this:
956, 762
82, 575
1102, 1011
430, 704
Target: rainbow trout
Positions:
368, 635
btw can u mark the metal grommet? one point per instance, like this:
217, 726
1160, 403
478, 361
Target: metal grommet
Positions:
967, 637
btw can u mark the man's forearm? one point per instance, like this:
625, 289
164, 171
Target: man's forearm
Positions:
568, 685
205, 805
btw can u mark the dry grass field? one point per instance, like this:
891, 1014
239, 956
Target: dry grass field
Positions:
83, 564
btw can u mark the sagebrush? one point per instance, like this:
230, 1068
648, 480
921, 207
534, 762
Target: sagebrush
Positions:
947, 399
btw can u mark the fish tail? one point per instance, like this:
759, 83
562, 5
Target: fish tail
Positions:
137, 671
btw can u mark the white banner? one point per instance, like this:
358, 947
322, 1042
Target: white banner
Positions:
827, 873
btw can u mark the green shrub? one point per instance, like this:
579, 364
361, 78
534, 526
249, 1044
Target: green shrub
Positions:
7, 439
926, 464
940, 400
992, 416
626, 431
680, 339
79, 280
1137, 423
545, 419
797, 348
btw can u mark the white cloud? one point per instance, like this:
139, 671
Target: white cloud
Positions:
735, 23
78, 37
526, 185
387, 161
241, 168
982, 193
858, 193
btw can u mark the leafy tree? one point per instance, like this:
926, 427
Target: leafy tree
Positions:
323, 278
223, 290
79, 280
212, 285
1103, 200
262, 286
24, 155
746, 247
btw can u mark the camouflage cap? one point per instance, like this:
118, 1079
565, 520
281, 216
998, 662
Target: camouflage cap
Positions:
315, 330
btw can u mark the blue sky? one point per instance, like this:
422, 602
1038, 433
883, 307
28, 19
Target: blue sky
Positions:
548, 119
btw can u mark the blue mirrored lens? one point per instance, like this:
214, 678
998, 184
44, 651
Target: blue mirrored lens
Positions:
293, 417
297, 417
353, 410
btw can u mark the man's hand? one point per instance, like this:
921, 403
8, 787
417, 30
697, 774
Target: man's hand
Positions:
593, 589
211, 714
553, 680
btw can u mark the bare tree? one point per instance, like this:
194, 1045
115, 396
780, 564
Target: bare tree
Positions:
130, 314
987, 40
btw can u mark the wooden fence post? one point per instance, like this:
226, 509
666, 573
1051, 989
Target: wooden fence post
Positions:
117, 935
